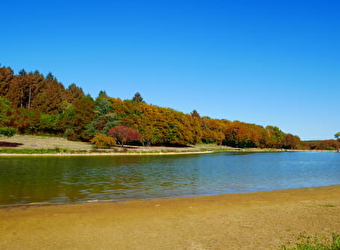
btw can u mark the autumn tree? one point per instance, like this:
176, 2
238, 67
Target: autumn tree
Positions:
195, 126
27, 121
76, 123
212, 130
321, 145
276, 137
291, 141
16, 91
32, 90
123, 134
55, 92
73, 92
146, 122
238, 134
6, 76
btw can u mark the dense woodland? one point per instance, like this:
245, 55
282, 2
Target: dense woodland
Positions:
31, 103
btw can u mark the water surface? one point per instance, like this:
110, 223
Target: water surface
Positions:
50, 179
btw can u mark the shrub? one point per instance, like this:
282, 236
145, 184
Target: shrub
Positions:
70, 134
9, 132
103, 141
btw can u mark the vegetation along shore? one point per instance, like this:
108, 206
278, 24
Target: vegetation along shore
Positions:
43, 145
34, 104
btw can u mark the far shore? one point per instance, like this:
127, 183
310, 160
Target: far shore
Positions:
259, 220
72, 148
145, 153
112, 154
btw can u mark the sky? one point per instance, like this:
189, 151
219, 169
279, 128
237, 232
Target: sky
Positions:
267, 62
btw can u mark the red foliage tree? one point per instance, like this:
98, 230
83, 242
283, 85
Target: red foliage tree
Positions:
124, 134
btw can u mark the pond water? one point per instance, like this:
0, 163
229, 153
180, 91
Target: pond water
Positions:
49, 179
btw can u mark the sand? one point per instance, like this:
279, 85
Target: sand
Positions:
261, 220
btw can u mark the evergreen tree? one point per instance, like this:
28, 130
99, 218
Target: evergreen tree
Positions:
5, 112
104, 118
137, 98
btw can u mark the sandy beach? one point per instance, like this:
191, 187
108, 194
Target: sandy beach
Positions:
261, 220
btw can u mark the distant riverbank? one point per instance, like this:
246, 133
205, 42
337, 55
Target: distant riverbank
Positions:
41, 145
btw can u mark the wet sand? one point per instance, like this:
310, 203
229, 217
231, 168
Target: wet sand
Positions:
232, 221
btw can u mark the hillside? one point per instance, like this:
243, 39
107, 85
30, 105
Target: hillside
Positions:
34, 104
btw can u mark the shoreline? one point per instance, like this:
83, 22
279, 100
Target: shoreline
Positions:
145, 152
60, 145
258, 220
110, 154
111, 201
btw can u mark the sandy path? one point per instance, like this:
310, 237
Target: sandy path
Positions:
232, 221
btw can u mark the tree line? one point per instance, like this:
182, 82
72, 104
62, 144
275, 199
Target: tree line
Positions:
31, 103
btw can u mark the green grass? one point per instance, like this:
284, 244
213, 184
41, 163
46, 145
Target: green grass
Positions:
314, 243
328, 205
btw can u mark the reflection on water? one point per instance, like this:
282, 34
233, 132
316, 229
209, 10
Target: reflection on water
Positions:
76, 179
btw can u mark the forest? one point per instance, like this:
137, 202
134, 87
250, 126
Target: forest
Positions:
31, 103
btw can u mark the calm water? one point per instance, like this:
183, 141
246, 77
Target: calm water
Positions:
26, 180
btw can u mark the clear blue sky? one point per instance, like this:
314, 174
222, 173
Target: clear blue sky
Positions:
268, 62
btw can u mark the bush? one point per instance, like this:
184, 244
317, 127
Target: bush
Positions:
70, 134
9, 132
103, 141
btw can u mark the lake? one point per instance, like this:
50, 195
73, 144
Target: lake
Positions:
70, 179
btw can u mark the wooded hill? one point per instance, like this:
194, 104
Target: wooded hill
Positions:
36, 104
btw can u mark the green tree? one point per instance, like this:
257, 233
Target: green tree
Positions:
104, 118
5, 131
5, 112
276, 137
5, 118
337, 135
137, 98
